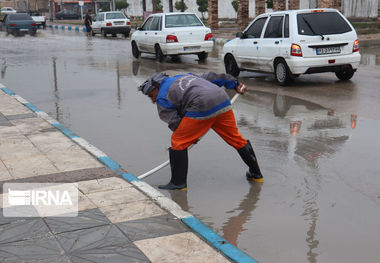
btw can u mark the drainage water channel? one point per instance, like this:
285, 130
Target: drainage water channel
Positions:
317, 143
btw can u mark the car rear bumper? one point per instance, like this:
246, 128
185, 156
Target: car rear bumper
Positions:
117, 29
300, 65
186, 48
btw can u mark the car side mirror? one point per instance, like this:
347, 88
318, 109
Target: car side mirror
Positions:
240, 35
139, 28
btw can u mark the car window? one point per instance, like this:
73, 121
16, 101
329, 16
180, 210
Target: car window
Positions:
254, 31
19, 16
274, 27
156, 23
184, 20
147, 23
286, 26
322, 23
115, 16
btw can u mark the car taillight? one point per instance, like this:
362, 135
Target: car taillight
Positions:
109, 24
356, 46
208, 37
12, 24
316, 11
171, 39
296, 50
33, 24
128, 23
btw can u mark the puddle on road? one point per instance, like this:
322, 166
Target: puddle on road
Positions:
320, 194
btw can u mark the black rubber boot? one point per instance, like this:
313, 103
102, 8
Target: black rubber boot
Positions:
249, 157
178, 165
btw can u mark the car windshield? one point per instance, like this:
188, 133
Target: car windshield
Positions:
19, 16
184, 20
322, 23
115, 16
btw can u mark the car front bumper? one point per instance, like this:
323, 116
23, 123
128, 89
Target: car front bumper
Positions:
186, 48
301, 65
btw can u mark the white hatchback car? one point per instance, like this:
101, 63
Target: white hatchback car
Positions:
172, 34
290, 43
111, 23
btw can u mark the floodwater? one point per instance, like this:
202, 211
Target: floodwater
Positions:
316, 141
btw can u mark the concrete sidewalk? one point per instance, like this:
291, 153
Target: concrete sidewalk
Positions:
121, 219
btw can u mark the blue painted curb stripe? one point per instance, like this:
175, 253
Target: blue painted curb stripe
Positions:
130, 177
8, 91
32, 107
65, 130
110, 163
218, 242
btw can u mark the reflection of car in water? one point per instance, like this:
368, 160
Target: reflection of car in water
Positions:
311, 129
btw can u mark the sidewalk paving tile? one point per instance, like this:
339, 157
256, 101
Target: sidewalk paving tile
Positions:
63, 152
114, 197
152, 227
23, 229
131, 211
41, 250
30, 125
100, 244
101, 185
184, 248
10, 106
84, 203
85, 220
4, 174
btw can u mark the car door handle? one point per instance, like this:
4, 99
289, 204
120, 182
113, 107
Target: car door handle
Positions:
276, 42
155, 33
254, 42
146, 33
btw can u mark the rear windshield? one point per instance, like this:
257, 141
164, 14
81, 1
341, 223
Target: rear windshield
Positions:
322, 23
115, 16
184, 20
19, 17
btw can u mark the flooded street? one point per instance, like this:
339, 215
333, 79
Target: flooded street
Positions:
316, 141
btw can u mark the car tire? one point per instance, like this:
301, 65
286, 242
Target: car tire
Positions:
202, 56
345, 73
104, 34
126, 34
135, 50
282, 72
33, 32
160, 57
231, 66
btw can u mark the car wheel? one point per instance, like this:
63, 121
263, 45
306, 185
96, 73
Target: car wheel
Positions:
231, 66
126, 34
104, 34
159, 55
135, 50
282, 72
345, 73
33, 32
202, 56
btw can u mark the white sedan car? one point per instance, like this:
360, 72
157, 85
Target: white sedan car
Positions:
172, 34
290, 43
113, 22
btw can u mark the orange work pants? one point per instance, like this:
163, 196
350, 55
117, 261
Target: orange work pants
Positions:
190, 130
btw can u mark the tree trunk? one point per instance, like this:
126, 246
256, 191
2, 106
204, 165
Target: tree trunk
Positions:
213, 14
243, 14
182, 5
144, 5
170, 5
260, 7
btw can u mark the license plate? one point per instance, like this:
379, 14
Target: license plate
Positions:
23, 29
328, 50
191, 48
118, 23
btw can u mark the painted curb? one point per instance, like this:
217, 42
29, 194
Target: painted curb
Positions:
219, 243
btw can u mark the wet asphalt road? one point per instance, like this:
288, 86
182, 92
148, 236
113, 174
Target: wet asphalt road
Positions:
316, 141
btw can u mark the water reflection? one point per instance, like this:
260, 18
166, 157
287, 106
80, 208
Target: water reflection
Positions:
305, 132
235, 224
3, 68
56, 91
